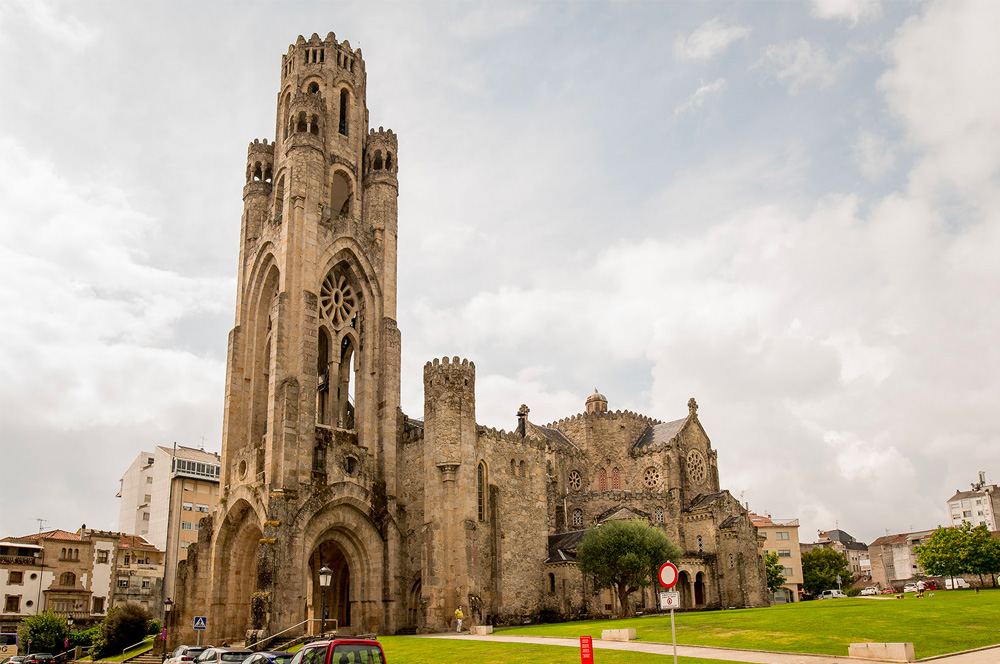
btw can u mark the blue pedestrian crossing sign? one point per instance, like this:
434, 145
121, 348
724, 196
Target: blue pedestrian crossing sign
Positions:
200, 622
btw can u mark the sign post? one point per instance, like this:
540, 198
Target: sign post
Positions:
586, 650
668, 578
200, 623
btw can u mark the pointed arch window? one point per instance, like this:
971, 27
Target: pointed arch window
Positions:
344, 98
615, 479
602, 480
481, 491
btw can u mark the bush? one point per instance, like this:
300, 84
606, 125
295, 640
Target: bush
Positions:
123, 626
46, 632
154, 626
84, 637
852, 591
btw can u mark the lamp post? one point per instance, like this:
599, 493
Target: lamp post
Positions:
325, 576
167, 605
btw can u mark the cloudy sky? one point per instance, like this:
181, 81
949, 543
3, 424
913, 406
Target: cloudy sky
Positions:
790, 211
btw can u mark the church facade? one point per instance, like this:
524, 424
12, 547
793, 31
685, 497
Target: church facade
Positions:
322, 469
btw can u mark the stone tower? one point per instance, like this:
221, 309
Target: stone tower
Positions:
313, 376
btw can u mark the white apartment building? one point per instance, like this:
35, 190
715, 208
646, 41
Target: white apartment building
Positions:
164, 494
979, 506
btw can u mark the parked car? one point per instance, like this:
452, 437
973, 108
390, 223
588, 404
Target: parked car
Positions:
910, 588
870, 590
16, 659
223, 655
959, 583
185, 654
340, 651
831, 594
269, 657
38, 658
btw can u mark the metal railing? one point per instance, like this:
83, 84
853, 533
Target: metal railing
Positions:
307, 620
148, 638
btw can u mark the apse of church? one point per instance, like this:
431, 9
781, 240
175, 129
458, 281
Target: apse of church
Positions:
321, 469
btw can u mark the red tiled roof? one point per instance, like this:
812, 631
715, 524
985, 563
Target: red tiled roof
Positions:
62, 535
135, 542
760, 520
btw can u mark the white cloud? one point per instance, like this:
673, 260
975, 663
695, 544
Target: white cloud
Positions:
708, 41
42, 16
695, 101
798, 63
851, 10
874, 154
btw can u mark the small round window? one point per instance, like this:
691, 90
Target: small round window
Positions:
575, 481
651, 478
243, 469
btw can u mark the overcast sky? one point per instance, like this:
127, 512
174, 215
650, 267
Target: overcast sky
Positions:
789, 211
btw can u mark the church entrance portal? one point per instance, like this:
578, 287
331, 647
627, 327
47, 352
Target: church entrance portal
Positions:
338, 594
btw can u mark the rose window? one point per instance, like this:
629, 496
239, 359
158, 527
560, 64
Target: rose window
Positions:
574, 480
651, 478
696, 466
337, 300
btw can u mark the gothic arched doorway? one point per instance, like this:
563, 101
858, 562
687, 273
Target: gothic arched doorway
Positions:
338, 595
237, 546
699, 589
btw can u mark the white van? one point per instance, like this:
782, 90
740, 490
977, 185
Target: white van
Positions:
959, 583
831, 594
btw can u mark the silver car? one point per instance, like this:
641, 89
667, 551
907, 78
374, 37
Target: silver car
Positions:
223, 656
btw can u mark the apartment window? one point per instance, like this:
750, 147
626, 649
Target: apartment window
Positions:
128, 559
149, 480
67, 579
187, 507
123, 582
186, 525
12, 604
145, 516
201, 508
102, 557
98, 605
781, 536
15, 578
784, 553
145, 583
195, 526
786, 571
967, 513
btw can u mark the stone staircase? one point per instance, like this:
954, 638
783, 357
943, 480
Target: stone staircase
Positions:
146, 658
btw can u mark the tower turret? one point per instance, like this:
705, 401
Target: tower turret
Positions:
381, 192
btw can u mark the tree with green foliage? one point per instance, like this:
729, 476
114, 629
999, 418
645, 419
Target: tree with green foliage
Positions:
774, 569
944, 554
125, 625
821, 567
624, 556
46, 631
981, 553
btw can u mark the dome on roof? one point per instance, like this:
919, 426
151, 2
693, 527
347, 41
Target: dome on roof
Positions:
597, 403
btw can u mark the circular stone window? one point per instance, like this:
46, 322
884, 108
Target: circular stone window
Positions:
243, 469
696, 466
337, 300
575, 480
651, 478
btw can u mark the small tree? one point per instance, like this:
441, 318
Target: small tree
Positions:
624, 556
981, 553
46, 631
944, 553
774, 569
821, 567
123, 626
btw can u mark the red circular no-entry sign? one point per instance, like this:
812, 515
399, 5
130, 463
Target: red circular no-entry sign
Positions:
668, 575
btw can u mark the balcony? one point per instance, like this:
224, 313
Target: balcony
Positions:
17, 560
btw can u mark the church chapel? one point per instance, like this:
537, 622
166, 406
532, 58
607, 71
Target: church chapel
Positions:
407, 519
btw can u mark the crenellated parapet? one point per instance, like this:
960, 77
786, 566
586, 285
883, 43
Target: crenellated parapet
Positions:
307, 56
608, 415
260, 161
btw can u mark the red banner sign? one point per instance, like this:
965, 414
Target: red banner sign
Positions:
586, 650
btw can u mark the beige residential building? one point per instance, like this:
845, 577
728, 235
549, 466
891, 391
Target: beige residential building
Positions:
164, 494
782, 538
894, 557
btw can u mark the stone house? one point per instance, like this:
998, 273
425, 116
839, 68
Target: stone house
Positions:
408, 518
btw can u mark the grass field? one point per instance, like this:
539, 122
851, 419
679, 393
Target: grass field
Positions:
950, 621
410, 650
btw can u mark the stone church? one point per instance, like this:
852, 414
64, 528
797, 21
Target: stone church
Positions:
321, 468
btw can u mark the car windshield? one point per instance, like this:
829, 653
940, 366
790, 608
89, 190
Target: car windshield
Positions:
281, 659
356, 653
235, 656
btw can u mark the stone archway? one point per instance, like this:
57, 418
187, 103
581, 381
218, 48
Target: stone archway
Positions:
413, 612
699, 589
684, 586
236, 556
335, 603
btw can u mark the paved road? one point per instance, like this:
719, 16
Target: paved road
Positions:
989, 656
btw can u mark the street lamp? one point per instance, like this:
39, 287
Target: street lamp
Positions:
167, 605
325, 576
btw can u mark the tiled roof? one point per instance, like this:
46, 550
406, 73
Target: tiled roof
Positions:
135, 542
836, 536
554, 436
901, 538
659, 433
562, 547
761, 521
705, 500
61, 535
965, 495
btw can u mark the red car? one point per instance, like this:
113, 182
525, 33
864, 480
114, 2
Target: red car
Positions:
341, 651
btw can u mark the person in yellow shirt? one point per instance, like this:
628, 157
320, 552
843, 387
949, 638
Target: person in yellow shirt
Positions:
458, 618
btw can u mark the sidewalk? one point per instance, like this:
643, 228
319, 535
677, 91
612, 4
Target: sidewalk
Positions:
987, 656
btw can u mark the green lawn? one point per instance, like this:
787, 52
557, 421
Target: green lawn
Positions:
411, 650
951, 621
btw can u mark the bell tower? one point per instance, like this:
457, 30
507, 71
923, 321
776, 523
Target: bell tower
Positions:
315, 347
